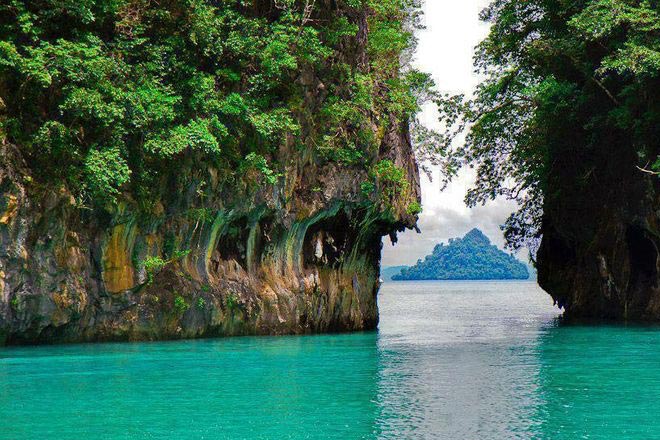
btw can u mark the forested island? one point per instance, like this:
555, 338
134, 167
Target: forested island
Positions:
472, 257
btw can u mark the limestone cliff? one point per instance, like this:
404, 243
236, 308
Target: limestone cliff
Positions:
567, 124
272, 264
599, 254
220, 252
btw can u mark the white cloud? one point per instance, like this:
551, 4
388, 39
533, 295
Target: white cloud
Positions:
445, 50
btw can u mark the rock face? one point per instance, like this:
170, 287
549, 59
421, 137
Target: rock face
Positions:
299, 256
599, 254
268, 266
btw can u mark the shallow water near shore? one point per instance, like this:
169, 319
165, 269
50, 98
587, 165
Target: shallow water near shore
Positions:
454, 360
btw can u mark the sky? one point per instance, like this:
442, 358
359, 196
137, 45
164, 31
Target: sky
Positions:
445, 50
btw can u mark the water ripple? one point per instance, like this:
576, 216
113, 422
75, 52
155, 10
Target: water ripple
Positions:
450, 361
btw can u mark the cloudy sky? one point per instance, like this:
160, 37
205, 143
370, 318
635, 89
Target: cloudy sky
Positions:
445, 49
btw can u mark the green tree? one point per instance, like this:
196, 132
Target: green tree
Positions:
112, 96
569, 88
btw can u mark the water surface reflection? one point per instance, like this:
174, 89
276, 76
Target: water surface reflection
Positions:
450, 361
463, 360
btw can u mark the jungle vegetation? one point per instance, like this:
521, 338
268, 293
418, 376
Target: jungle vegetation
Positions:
567, 84
108, 97
472, 257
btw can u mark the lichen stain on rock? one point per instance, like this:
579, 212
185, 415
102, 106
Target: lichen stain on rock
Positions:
10, 211
118, 270
3, 285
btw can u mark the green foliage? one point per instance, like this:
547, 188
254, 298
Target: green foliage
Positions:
638, 52
109, 96
387, 172
197, 135
345, 155
256, 163
367, 188
379, 98
469, 258
414, 208
232, 302
201, 215
391, 183
201, 303
180, 304
154, 264
179, 254
123, 99
105, 171
571, 89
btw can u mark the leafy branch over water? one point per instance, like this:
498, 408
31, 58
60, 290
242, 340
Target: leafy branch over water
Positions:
562, 80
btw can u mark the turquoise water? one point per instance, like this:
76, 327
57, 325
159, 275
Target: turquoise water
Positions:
450, 361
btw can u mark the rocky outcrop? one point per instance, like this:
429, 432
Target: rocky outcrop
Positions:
213, 257
599, 254
273, 264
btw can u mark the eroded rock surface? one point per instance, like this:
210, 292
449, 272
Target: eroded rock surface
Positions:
309, 263
214, 256
599, 254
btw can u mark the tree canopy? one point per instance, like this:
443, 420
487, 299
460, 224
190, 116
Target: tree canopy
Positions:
110, 96
565, 83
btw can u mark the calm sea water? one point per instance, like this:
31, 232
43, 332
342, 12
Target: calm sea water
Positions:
474, 360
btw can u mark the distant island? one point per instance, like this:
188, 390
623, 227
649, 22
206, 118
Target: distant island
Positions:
386, 273
472, 257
